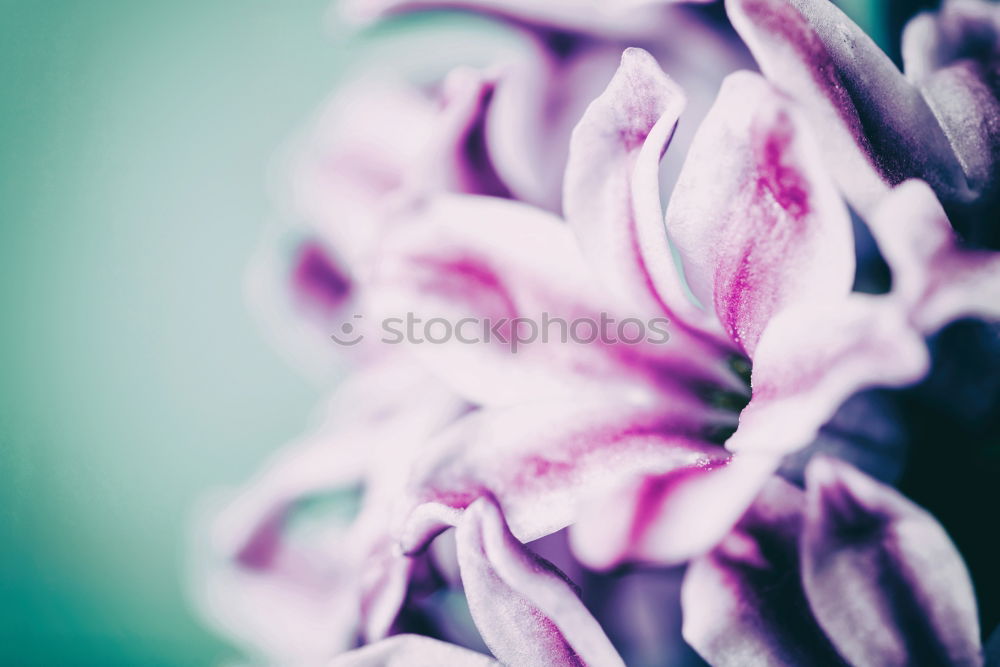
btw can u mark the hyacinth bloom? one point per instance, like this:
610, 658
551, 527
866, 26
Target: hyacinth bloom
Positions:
467, 461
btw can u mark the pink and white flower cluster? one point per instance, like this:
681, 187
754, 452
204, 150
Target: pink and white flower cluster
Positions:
725, 497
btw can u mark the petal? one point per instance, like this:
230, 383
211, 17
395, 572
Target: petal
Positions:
474, 265
877, 129
412, 651
358, 153
882, 577
294, 587
743, 603
668, 518
542, 459
457, 157
611, 195
937, 278
951, 56
756, 220
527, 611
813, 357
539, 99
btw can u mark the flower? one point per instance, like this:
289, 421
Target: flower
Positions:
504, 492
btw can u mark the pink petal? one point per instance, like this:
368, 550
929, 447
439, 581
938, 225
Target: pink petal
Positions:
757, 221
540, 97
668, 518
881, 575
292, 594
412, 651
935, 276
876, 130
355, 157
485, 262
542, 460
743, 603
526, 610
814, 357
612, 187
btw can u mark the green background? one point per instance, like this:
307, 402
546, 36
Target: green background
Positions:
135, 142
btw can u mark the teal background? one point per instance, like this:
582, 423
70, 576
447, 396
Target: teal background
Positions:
135, 139
135, 143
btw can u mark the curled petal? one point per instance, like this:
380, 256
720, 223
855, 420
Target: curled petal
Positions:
412, 651
539, 460
758, 224
876, 129
527, 611
882, 577
456, 157
611, 190
814, 357
744, 603
938, 278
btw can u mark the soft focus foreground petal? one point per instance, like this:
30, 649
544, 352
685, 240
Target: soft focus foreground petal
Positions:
953, 56
668, 518
479, 263
744, 603
540, 461
365, 141
285, 582
876, 129
814, 357
456, 157
882, 577
527, 611
758, 223
623, 19
412, 651
612, 198
539, 99
938, 279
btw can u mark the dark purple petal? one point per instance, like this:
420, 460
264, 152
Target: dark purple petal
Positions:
757, 221
882, 577
527, 611
953, 57
743, 603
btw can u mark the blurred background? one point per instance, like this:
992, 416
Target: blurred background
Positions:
136, 141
